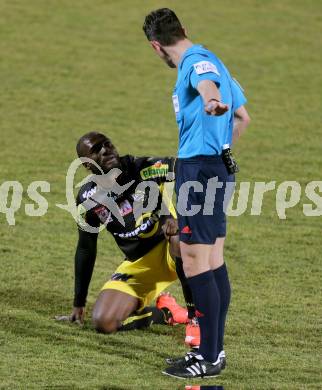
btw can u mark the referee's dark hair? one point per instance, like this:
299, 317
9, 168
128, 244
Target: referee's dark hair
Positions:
163, 26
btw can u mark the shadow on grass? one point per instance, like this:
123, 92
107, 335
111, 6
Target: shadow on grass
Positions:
130, 346
72, 387
175, 332
37, 301
31, 312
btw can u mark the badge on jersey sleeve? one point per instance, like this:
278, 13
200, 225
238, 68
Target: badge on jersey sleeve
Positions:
205, 67
175, 101
103, 214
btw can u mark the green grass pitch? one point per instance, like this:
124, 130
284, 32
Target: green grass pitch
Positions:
70, 66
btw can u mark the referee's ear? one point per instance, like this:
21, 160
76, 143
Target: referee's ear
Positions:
156, 46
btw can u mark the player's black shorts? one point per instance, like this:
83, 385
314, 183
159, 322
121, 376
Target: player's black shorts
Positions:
197, 185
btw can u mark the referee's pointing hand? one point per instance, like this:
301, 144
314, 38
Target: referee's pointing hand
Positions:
216, 108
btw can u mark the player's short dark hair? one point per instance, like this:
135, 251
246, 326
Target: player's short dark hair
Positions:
163, 26
84, 138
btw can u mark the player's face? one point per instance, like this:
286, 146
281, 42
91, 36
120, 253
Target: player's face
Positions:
104, 153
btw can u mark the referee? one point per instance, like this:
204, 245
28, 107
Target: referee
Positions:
210, 113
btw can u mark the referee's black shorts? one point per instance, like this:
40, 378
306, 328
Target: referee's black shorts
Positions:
198, 181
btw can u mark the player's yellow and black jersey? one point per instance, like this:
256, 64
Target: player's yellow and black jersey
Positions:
136, 237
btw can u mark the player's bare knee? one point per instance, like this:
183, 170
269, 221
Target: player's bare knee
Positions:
105, 323
107, 327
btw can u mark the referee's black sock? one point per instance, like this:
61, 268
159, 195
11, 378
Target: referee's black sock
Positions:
222, 280
145, 318
207, 301
185, 288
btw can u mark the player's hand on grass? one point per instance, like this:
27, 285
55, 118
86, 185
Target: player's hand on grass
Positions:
77, 316
170, 228
213, 107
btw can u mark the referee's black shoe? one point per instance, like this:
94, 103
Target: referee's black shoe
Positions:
195, 367
182, 360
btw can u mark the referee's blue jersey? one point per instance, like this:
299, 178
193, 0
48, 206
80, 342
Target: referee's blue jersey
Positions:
199, 133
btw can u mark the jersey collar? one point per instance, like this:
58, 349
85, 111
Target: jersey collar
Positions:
191, 50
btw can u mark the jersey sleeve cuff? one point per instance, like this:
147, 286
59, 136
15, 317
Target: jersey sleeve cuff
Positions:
79, 302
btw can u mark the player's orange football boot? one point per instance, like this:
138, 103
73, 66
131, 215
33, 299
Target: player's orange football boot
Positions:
179, 315
192, 334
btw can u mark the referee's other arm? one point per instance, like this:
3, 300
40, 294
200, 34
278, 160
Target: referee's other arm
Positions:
241, 121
